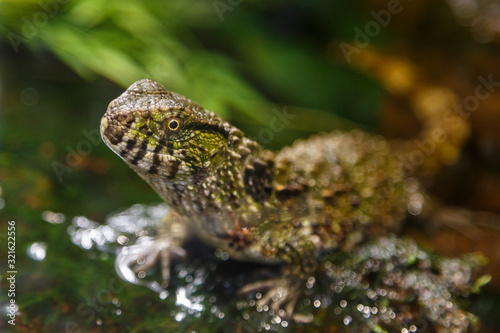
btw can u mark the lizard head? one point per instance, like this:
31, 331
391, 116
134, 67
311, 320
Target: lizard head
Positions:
163, 134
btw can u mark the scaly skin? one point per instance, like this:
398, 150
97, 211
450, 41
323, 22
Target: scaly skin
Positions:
330, 191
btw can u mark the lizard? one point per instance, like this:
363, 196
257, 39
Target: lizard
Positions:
331, 191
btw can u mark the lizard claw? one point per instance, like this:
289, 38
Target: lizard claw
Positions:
132, 260
162, 250
282, 295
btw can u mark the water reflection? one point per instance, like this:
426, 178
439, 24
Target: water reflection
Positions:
389, 284
37, 251
53, 218
129, 234
120, 229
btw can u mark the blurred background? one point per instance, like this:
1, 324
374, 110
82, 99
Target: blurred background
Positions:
397, 68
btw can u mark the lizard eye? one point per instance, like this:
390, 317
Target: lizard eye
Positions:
173, 124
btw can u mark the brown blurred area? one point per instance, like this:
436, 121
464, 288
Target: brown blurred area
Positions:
435, 78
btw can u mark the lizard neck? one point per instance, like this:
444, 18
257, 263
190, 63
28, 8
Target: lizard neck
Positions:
236, 178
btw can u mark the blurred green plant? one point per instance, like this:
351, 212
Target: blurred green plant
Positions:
125, 41
206, 50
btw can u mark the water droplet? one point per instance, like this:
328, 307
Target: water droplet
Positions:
180, 316
122, 240
54, 218
183, 273
184, 299
14, 310
416, 204
37, 251
225, 256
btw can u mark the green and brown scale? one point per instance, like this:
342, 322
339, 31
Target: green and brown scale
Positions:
332, 191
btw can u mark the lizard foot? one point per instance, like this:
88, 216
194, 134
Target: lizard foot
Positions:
281, 295
162, 250
132, 260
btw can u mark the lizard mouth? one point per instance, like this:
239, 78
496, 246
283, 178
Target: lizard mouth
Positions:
159, 132
141, 152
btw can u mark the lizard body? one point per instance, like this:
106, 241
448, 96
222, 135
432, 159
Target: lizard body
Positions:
330, 191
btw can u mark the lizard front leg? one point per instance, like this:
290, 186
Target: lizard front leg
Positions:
298, 254
148, 251
172, 234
